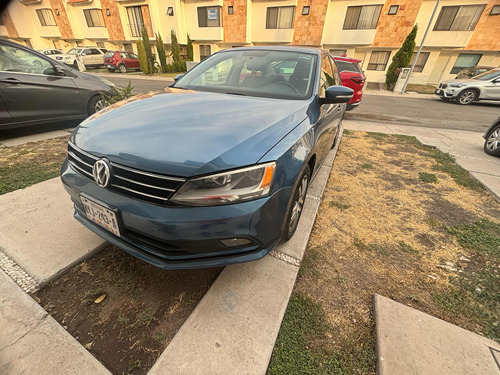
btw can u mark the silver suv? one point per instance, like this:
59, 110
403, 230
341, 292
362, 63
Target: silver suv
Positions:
485, 86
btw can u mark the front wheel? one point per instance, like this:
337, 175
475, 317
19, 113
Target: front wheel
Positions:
96, 103
492, 142
111, 70
466, 97
298, 200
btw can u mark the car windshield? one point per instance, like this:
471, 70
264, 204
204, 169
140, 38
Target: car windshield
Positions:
263, 73
491, 74
73, 51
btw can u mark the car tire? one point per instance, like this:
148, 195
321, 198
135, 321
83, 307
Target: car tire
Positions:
297, 204
111, 70
466, 97
492, 142
96, 103
122, 68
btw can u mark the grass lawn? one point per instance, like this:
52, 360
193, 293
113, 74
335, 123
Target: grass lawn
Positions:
421, 89
24, 165
403, 221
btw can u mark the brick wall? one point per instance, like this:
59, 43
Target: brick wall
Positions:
113, 22
61, 19
392, 30
235, 25
308, 30
487, 31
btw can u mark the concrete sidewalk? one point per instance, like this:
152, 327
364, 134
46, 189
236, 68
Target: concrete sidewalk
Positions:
466, 147
412, 342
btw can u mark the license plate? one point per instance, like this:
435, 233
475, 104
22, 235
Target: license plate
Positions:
101, 215
438, 92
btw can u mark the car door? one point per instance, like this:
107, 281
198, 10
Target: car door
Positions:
132, 60
97, 56
30, 89
87, 57
5, 117
492, 89
330, 114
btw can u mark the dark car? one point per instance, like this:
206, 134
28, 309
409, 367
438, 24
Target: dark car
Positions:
122, 61
213, 170
492, 139
352, 76
35, 89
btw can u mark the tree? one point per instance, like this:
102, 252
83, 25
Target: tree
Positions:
147, 48
401, 59
162, 56
176, 49
190, 50
143, 60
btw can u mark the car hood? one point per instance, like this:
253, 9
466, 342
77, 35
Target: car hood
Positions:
463, 80
186, 133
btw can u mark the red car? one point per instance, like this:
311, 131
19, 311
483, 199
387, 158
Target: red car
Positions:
121, 60
352, 76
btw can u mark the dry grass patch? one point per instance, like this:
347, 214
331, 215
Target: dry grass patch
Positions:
28, 164
412, 211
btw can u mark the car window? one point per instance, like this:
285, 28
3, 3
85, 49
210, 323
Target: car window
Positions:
13, 59
264, 73
86, 52
95, 51
109, 54
133, 56
74, 51
345, 66
491, 74
103, 50
123, 55
327, 76
336, 73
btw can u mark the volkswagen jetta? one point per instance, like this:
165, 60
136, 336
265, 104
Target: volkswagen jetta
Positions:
214, 169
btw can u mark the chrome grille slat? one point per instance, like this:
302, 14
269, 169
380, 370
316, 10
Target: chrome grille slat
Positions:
137, 184
143, 184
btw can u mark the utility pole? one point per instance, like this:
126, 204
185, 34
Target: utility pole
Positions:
420, 47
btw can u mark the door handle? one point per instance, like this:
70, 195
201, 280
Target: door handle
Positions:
11, 80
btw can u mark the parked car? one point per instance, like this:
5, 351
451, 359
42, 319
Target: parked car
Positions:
55, 54
352, 76
92, 57
122, 61
34, 89
473, 71
492, 139
485, 86
213, 170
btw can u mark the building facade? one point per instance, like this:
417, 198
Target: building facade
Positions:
463, 33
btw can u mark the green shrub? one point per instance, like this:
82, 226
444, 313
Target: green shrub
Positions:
190, 50
179, 67
401, 59
118, 94
176, 49
162, 56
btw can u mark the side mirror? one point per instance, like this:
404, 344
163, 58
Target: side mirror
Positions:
178, 77
84, 54
337, 94
56, 71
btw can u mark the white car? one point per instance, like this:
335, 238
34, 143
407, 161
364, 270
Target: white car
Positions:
485, 86
91, 56
55, 54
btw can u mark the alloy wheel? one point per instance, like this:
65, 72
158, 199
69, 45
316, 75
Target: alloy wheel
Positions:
99, 105
493, 141
298, 205
467, 97
123, 69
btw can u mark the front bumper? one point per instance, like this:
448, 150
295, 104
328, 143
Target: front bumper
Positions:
447, 93
173, 237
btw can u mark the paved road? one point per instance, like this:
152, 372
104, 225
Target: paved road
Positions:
140, 85
432, 113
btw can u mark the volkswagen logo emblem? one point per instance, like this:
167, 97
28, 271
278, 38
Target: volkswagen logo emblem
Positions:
101, 173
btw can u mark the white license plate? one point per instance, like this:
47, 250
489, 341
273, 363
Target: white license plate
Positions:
101, 215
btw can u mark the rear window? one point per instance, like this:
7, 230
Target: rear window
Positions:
345, 66
109, 54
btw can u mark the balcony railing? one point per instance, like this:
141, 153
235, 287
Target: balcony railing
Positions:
136, 29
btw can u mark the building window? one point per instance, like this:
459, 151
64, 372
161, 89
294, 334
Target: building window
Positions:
362, 17
209, 16
495, 11
458, 18
204, 52
305, 10
393, 9
136, 20
338, 52
183, 52
422, 59
230, 10
465, 60
46, 17
100, 44
378, 60
279, 17
108, 12
93, 17
170, 11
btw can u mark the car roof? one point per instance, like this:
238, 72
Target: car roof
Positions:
310, 50
347, 59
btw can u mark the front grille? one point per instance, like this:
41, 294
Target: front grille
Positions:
443, 85
151, 187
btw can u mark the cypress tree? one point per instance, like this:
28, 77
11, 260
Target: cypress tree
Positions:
147, 48
162, 56
176, 49
190, 50
401, 59
143, 60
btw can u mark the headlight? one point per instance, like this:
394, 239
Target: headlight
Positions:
230, 187
107, 82
458, 84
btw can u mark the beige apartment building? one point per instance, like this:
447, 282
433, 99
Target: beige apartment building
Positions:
463, 33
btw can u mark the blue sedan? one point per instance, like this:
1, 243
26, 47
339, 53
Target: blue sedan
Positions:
213, 170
